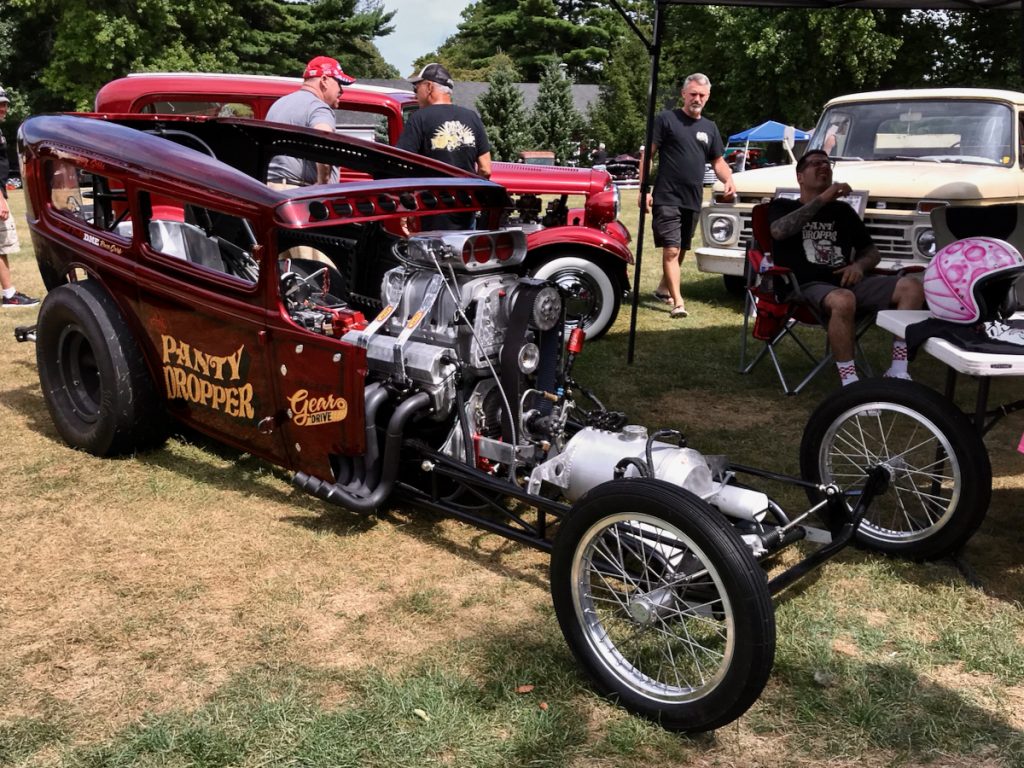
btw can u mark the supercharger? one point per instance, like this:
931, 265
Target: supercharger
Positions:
487, 347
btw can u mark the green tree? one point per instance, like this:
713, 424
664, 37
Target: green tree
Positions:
61, 51
534, 33
556, 125
938, 49
617, 117
502, 111
781, 64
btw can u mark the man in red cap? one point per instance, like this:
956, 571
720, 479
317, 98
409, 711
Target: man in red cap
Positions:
312, 106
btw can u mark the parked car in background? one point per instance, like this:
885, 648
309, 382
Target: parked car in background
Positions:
537, 157
584, 249
625, 169
910, 150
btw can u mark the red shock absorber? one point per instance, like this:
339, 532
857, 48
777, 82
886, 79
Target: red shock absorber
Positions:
574, 347
576, 339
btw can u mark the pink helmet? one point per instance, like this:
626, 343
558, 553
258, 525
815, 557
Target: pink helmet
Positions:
969, 280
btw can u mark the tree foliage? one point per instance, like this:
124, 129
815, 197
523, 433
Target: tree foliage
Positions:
61, 51
556, 125
502, 112
617, 118
535, 33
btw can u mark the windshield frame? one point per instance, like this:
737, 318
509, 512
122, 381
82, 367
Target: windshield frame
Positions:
851, 131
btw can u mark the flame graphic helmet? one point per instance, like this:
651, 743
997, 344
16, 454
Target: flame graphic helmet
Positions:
974, 280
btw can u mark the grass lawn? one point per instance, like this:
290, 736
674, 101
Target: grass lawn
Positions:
188, 607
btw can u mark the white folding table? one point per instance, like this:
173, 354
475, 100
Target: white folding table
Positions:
983, 366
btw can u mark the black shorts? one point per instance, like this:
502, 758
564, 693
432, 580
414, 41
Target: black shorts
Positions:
873, 293
674, 227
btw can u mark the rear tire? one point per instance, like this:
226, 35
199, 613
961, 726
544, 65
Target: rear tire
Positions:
941, 477
94, 378
593, 295
663, 604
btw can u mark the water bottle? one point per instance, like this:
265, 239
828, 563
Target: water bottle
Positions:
764, 281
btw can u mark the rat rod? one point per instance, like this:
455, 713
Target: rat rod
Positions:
180, 285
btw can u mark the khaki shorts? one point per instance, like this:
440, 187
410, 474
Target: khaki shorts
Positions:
8, 237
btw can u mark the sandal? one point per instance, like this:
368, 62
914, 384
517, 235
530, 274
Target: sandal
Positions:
679, 311
664, 298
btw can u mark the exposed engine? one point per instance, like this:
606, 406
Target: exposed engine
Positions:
463, 341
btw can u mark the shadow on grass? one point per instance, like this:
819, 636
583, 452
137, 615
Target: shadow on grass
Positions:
463, 706
859, 707
423, 525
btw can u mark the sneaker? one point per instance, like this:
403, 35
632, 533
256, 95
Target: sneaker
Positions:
902, 375
19, 299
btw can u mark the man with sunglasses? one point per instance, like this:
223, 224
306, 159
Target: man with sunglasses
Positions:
446, 132
828, 248
312, 106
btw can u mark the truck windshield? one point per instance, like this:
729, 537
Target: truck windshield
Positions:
944, 131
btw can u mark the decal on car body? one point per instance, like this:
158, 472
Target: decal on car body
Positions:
310, 411
193, 375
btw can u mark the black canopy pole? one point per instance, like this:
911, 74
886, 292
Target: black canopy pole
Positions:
655, 51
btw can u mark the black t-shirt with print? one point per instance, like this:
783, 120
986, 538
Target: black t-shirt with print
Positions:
684, 145
827, 242
446, 132
453, 135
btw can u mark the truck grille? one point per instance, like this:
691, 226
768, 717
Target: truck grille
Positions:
890, 237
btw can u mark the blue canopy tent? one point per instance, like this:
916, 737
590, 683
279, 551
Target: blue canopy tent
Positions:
768, 131
772, 130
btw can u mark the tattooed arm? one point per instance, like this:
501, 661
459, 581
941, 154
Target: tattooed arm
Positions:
792, 223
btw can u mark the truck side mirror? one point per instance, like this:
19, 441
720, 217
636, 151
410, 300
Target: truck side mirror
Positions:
789, 137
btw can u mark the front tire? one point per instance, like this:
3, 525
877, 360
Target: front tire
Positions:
941, 482
593, 295
94, 378
663, 605
734, 285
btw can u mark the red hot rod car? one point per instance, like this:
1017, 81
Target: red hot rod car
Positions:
300, 326
585, 250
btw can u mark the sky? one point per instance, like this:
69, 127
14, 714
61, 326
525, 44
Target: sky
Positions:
420, 27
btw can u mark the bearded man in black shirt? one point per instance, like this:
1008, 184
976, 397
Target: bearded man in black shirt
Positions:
828, 248
685, 141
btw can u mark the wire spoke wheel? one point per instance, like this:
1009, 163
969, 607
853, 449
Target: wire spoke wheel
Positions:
663, 604
940, 479
665, 633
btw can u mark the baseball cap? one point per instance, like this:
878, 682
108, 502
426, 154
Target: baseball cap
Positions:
3, 96
325, 65
435, 73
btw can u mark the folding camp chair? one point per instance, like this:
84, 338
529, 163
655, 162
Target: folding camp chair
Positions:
776, 319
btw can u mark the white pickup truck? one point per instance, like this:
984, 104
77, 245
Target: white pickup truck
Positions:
910, 150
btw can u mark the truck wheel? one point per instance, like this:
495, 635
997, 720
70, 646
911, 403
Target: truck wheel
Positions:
663, 604
593, 296
734, 285
93, 376
941, 477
